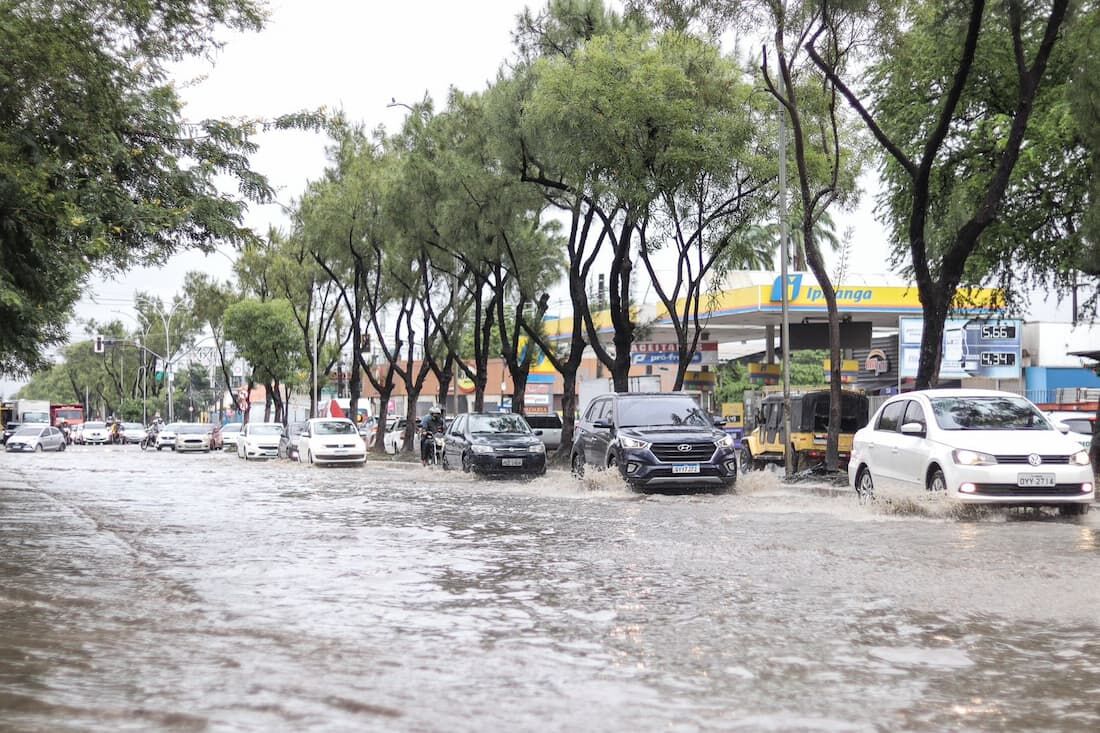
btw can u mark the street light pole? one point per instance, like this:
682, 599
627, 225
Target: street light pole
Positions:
167, 322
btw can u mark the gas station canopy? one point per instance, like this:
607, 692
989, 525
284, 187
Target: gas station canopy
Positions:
750, 302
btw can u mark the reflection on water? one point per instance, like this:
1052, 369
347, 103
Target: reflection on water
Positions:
200, 592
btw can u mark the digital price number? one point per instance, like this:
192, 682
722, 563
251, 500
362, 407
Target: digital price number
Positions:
997, 358
998, 332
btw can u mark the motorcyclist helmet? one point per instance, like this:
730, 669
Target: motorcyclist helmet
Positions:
436, 410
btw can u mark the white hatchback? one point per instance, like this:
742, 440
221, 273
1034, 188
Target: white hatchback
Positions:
977, 446
259, 440
331, 440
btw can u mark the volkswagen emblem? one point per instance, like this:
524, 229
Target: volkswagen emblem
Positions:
1034, 459
683, 447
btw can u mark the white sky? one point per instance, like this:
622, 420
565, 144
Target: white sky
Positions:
354, 55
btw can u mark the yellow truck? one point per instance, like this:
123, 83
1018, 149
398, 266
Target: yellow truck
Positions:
766, 443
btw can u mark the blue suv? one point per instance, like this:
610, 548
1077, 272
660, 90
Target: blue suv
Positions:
655, 439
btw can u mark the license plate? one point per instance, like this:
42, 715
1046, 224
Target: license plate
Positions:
1032, 480
511, 461
686, 468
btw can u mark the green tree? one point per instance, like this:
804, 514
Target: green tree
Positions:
99, 171
265, 335
950, 173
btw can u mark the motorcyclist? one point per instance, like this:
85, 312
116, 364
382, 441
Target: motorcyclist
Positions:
430, 424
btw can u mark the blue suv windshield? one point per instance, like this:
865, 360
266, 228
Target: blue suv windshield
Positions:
661, 411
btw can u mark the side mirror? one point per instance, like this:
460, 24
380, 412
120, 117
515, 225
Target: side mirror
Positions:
303, 434
913, 428
603, 424
719, 422
1061, 427
538, 432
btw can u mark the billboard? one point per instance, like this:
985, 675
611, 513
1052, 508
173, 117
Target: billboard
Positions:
971, 347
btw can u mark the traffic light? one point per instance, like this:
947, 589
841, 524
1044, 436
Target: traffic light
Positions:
97, 344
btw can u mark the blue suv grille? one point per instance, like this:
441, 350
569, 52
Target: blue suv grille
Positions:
692, 452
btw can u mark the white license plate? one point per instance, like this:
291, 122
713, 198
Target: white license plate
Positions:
686, 468
1032, 480
511, 461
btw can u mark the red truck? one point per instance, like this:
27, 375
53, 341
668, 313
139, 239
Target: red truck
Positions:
73, 415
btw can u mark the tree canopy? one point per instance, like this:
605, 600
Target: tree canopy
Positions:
99, 170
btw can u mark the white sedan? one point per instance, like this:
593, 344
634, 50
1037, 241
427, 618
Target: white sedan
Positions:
166, 438
259, 440
976, 446
331, 440
95, 433
230, 431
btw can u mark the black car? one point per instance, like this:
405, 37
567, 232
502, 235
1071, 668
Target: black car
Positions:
288, 443
494, 443
655, 439
9, 430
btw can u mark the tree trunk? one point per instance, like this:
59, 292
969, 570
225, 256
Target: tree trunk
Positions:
409, 442
384, 395
519, 386
568, 409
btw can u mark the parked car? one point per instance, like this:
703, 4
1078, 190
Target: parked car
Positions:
550, 426
655, 439
1081, 425
288, 442
974, 446
95, 433
9, 430
259, 440
229, 434
35, 438
193, 436
394, 437
166, 438
132, 432
328, 440
493, 443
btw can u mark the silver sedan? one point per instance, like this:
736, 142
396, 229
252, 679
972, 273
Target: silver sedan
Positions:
35, 439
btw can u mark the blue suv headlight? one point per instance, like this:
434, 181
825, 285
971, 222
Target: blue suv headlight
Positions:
726, 441
632, 443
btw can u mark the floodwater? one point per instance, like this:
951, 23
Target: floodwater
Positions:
154, 591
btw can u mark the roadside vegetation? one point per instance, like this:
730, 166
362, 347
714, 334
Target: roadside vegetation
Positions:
626, 145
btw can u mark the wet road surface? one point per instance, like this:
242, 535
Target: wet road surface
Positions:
154, 591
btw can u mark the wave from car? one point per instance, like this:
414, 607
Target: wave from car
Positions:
975, 447
331, 440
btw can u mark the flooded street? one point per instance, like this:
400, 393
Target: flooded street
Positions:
154, 591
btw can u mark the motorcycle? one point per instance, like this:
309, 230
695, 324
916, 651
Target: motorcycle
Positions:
150, 440
435, 455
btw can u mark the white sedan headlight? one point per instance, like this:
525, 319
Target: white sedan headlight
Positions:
973, 458
1081, 458
628, 442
